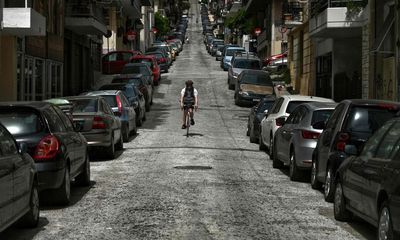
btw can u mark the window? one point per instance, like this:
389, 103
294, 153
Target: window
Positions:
21, 121
67, 122
111, 100
7, 143
124, 101
335, 116
277, 106
320, 115
84, 105
256, 79
389, 143
54, 121
126, 56
111, 57
372, 143
293, 116
292, 105
106, 107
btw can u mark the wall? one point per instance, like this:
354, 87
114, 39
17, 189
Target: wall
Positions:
8, 63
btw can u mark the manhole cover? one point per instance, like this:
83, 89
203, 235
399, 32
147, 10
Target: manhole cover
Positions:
193, 167
216, 105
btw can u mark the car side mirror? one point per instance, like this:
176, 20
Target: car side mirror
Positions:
266, 112
350, 149
319, 125
280, 121
22, 148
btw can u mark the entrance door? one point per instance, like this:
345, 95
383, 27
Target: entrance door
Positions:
28, 83
324, 76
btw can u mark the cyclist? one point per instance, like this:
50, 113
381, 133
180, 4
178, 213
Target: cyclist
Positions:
189, 99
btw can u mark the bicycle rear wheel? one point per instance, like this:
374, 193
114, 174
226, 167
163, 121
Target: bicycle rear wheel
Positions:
187, 123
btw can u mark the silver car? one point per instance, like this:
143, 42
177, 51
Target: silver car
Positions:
296, 139
94, 118
240, 63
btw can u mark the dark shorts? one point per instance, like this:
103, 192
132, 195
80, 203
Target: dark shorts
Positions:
187, 105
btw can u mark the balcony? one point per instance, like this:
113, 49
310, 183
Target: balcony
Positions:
23, 21
85, 17
132, 8
292, 14
332, 19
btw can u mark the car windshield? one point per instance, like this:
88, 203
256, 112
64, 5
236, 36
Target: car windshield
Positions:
247, 63
293, 104
320, 115
368, 119
112, 87
230, 52
142, 60
133, 69
84, 105
110, 99
20, 121
256, 79
266, 105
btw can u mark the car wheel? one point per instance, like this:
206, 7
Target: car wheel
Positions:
385, 225
315, 184
329, 185
231, 86
276, 163
120, 144
248, 129
151, 101
144, 116
125, 133
83, 179
134, 131
339, 205
31, 218
111, 149
271, 147
147, 106
139, 121
237, 102
294, 171
253, 138
63, 194
261, 146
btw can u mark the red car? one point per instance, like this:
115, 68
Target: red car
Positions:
152, 61
114, 61
272, 58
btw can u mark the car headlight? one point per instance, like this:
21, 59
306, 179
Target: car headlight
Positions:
243, 93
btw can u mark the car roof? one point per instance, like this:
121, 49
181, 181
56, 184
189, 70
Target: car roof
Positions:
82, 97
305, 98
135, 64
101, 92
369, 102
254, 71
129, 75
320, 105
32, 104
234, 47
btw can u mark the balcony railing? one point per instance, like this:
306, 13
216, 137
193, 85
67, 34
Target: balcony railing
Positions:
318, 6
85, 9
292, 12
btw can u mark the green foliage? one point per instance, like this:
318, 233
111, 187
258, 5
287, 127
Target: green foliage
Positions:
162, 24
240, 20
354, 7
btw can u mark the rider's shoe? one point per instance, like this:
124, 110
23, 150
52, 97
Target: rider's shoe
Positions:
183, 126
192, 121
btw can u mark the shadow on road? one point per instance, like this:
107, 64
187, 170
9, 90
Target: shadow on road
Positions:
15, 232
157, 116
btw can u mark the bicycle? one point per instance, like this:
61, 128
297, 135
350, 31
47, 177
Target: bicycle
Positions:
186, 108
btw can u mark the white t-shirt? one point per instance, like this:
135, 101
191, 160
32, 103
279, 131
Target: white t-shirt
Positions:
194, 91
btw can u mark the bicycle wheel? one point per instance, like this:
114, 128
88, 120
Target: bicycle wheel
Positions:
187, 123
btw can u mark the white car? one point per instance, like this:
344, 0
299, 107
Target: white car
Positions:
275, 118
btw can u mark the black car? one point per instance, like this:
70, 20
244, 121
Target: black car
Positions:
252, 85
19, 199
257, 113
352, 123
60, 153
368, 185
135, 98
138, 68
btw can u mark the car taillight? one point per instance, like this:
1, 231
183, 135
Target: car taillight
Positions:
163, 60
119, 104
309, 134
98, 123
343, 138
47, 148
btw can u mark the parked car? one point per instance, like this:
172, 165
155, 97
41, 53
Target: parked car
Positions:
19, 198
368, 185
252, 85
139, 68
121, 108
63, 104
141, 83
151, 61
352, 123
164, 50
162, 60
213, 42
215, 47
94, 118
60, 153
282, 108
227, 56
240, 63
113, 62
295, 141
275, 57
257, 113
135, 98
218, 53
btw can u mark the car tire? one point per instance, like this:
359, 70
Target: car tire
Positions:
110, 151
144, 116
237, 101
31, 218
385, 225
125, 133
134, 131
62, 195
271, 147
315, 184
151, 100
139, 121
339, 205
253, 138
294, 172
261, 146
248, 129
276, 163
83, 179
329, 185
120, 144
147, 106
231, 86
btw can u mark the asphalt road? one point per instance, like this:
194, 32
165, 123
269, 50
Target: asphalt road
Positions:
212, 185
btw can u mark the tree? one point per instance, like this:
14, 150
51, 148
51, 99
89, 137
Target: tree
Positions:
162, 24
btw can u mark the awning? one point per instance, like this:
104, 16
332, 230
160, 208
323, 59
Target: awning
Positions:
383, 33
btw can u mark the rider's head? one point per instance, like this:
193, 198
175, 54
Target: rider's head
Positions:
189, 84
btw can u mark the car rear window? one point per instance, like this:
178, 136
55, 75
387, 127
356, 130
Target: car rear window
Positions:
264, 106
84, 105
368, 119
21, 122
247, 64
110, 99
131, 69
230, 52
256, 79
320, 115
293, 104
146, 61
